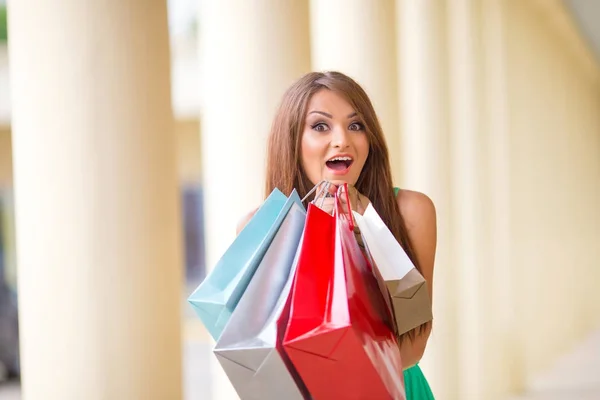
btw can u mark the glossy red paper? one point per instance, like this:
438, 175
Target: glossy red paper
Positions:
339, 336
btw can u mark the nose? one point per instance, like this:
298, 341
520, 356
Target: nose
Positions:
339, 138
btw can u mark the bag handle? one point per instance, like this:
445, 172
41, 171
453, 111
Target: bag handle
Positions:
315, 188
325, 188
325, 195
337, 203
323, 192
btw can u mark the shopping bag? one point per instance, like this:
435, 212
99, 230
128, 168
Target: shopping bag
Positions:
406, 286
339, 335
217, 296
248, 349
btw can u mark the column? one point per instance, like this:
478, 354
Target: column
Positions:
358, 38
97, 203
470, 208
502, 366
423, 105
251, 52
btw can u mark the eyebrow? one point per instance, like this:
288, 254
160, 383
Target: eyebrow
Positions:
354, 114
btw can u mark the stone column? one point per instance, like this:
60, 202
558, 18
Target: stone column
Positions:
503, 369
251, 52
470, 211
97, 202
358, 38
426, 160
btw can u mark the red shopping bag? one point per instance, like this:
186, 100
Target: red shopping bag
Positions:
339, 334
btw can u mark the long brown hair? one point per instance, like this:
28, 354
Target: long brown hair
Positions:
284, 166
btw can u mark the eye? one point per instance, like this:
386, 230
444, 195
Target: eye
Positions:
320, 127
356, 126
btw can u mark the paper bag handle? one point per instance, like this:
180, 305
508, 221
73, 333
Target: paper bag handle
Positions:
315, 188
337, 202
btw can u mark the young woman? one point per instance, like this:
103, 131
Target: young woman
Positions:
326, 129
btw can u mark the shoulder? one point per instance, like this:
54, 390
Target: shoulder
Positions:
419, 214
244, 220
416, 208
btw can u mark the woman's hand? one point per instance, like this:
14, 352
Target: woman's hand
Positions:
358, 201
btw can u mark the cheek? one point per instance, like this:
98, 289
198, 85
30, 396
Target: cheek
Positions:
312, 151
361, 145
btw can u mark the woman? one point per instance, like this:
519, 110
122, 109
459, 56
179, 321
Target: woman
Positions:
326, 129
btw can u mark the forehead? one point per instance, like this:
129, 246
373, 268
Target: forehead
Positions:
331, 102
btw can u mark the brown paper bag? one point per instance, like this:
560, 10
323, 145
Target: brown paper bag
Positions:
406, 286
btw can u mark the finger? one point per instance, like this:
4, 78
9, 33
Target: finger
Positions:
352, 197
321, 190
326, 204
332, 189
343, 202
342, 189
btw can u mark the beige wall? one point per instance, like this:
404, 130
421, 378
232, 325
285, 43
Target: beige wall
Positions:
7, 219
188, 150
5, 157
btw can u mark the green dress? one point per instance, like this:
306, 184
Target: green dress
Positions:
417, 387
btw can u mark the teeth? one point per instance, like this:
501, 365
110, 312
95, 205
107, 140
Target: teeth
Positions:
341, 159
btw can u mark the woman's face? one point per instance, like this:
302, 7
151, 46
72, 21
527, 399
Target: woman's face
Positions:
334, 141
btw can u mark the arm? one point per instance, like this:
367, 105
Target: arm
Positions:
242, 223
419, 216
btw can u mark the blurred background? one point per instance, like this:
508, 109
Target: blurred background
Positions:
132, 139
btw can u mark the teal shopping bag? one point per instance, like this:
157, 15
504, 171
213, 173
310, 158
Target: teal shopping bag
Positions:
217, 296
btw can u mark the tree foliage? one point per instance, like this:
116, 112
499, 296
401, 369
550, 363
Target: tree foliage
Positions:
3, 28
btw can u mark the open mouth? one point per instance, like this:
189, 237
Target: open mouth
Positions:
339, 163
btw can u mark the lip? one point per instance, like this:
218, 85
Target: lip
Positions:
342, 171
